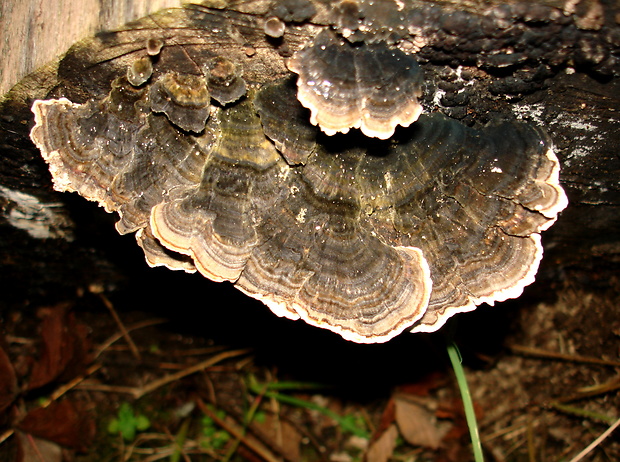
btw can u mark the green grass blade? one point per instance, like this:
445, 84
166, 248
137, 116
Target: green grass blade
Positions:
468, 405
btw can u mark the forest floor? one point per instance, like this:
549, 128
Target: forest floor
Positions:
176, 368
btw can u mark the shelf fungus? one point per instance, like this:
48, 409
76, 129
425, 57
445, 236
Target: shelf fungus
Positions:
367, 233
372, 86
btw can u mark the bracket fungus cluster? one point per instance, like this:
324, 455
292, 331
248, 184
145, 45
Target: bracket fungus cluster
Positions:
366, 233
372, 87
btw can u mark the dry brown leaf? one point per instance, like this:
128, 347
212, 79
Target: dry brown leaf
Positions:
383, 447
8, 381
32, 449
61, 422
282, 435
416, 424
387, 418
64, 352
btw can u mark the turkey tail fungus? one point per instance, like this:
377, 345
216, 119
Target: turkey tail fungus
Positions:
221, 162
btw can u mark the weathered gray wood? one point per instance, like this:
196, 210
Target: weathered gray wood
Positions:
33, 32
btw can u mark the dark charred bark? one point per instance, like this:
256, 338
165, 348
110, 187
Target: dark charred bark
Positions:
537, 61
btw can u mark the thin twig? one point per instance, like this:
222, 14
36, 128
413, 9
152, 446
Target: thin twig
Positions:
540, 353
247, 421
531, 446
71, 384
610, 385
596, 442
237, 432
583, 413
89, 386
139, 392
588, 392
343, 422
121, 326
517, 428
6, 435
114, 338
154, 385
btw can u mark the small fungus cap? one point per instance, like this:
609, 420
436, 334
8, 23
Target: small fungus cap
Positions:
139, 71
274, 27
183, 98
372, 87
224, 80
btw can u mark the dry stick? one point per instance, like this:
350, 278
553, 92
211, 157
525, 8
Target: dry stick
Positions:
6, 435
582, 413
178, 441
248, 420
237, 432
531, 447
140, 392
87, 386
518, 428
540, 353
596, 442
610, 385
114, 338
121, 326
34, 447
71, 384
588, 392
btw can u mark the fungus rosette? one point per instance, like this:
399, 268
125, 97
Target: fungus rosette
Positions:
224, 80
363, 236
372, 86
184, 98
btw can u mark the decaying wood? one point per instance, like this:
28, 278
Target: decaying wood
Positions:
34, 32
47, 237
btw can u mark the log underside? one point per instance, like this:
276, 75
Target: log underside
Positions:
58, 242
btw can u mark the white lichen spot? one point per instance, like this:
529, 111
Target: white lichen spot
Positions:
496, 170
574, 154
531, 112
437, 96
388, 180
39, 219
301, 216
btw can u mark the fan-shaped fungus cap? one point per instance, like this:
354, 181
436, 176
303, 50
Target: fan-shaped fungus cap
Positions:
367, 238
274, 27
369, 86
224, 80
295, 139
154, 46
184, 98
139, 71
